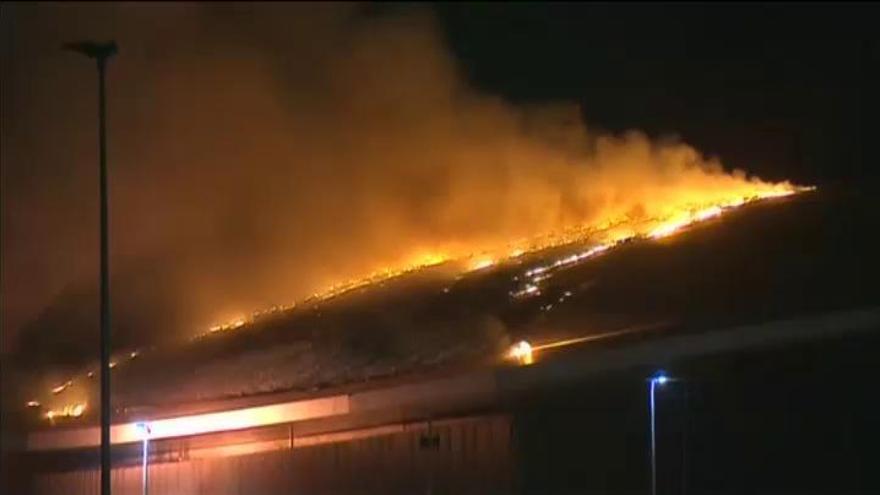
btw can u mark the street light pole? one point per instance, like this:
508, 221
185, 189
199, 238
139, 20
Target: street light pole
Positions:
659, 379
145, 430
101, 52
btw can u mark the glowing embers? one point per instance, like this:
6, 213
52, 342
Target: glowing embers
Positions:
531, 282
681, 216
658, 228
528, 290
534, 276
61, 388
68, 411
422, 261
232, 325
521, 352
481, 263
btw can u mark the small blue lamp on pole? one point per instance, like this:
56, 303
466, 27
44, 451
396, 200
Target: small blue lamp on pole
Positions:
145, 430
659, 379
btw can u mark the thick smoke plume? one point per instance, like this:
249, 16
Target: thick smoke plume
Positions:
261, 152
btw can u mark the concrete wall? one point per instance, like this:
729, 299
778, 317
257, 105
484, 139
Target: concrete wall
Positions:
467, 455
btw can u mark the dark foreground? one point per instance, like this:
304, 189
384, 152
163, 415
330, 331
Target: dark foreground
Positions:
801, 419
792, 418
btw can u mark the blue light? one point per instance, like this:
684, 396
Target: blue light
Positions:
143, 428
660, 378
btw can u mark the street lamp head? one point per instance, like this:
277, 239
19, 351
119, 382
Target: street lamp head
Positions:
92, 49
144, 429
660, 378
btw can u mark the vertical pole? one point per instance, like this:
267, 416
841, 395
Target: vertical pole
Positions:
146, 455
144, 472
105, 289
653, 443
684, 440
290, 436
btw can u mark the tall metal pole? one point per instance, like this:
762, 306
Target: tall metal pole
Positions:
105, 291
653, 442
684, 440
101, 52
658, 379
144, 470
145, 430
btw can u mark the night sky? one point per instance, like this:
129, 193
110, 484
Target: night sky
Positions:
782, 90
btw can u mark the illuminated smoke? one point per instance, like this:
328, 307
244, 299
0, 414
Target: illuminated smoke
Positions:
261, 154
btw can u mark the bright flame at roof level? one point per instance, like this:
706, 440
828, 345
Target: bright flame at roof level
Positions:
693, 206
482, 263
521, 352
68, 411
607, 234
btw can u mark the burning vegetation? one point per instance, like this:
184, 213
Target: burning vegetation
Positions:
530, 281
327, 153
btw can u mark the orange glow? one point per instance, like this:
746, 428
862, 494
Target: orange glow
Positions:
587, 338
418, 262
601, 235
68, 411
196, 424
521, 352
230, 325
481, 263
61, 388
524, 352
692, 207
394, 164
684, 219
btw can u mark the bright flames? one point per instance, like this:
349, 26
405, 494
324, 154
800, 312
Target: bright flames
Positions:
521, 352
68, 411
608, 232
481, 263
601, 236
524, 353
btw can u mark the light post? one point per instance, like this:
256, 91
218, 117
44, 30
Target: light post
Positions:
658, 379
144, 429
102, 52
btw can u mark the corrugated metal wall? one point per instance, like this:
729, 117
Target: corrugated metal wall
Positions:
472, 455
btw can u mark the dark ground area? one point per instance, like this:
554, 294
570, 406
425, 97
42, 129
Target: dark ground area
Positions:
800, 419
809, 254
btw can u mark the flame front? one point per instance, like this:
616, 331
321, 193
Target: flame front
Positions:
74, 410
600, 236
